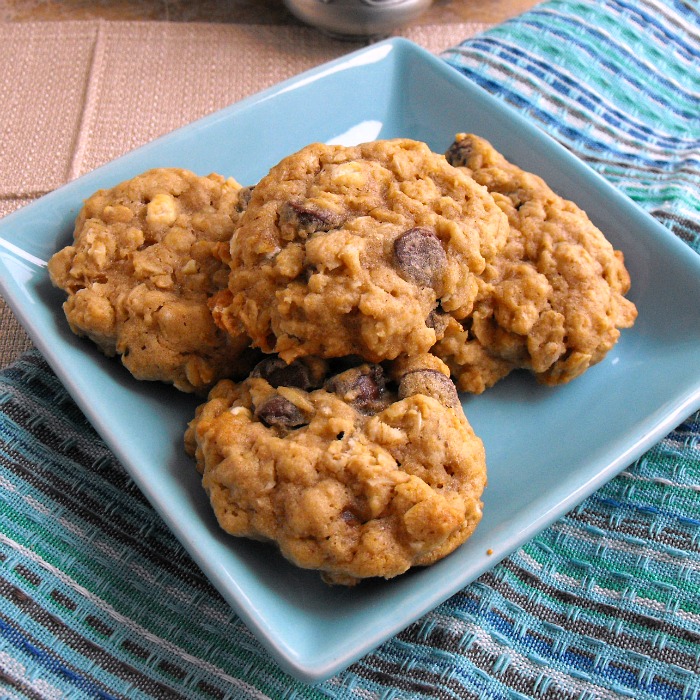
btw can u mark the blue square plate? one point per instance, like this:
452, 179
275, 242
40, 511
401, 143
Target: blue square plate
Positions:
547, 449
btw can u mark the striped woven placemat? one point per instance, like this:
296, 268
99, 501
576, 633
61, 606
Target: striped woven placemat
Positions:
98, 600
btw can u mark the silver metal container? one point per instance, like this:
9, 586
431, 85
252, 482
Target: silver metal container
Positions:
357, 18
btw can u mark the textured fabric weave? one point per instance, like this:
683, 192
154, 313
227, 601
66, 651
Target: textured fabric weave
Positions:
98, 600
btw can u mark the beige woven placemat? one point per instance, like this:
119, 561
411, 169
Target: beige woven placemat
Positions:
76, 95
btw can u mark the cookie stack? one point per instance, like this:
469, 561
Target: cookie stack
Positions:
332, 311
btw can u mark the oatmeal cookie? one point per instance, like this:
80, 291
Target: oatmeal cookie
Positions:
146, 257
358, 250
357, 473
552, 301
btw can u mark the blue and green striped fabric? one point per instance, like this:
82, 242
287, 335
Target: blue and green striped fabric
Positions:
98, 600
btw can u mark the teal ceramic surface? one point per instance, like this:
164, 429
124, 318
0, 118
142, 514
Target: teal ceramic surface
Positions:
547, 449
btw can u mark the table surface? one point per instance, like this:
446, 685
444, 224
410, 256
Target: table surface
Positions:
234, 11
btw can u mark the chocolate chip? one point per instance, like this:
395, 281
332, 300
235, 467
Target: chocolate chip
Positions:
277, 372
308, 218
280, 412
437, 320
362, 387
429, 382
244, 196
350, 517
420, 257
458, 153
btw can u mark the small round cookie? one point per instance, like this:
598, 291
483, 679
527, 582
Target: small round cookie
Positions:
146, 257
358, 250
552, 301
357, 474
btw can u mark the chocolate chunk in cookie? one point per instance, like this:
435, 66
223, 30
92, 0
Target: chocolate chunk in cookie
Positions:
363, 387
420, 257
429, 382
276, 410
304, 373
244, 196
297, 218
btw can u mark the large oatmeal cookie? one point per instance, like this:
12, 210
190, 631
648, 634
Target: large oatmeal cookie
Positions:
552, 301
355, 472
359, 250
146, 256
